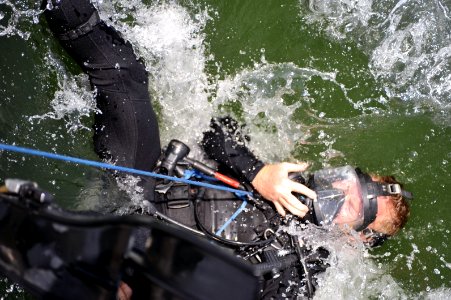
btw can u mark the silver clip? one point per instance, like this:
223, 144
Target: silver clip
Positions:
14, 185
394, 189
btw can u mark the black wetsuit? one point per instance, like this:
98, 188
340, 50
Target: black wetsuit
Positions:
126, 131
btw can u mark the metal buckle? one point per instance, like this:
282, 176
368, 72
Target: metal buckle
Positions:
178, 196
393, 189
84, 28
177, 204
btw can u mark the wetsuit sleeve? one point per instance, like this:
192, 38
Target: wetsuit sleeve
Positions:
126, 129
225, 144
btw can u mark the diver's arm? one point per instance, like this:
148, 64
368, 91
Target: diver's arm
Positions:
126, 129
226, 145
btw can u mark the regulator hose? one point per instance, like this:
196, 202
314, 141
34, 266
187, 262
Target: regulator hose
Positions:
219, 239
282, 264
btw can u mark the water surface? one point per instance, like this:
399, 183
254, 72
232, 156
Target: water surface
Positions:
365, 83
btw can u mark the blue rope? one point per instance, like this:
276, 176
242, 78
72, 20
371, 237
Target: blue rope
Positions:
233, 217
118, 168
194, 173
190, 173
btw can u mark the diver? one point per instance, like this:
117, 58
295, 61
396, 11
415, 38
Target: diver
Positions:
126, 132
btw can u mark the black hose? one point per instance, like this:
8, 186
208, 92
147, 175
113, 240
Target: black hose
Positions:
281, 264
219, 239
308, 277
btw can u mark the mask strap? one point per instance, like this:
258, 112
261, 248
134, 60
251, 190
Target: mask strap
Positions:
389, 189
369, 198
370, 191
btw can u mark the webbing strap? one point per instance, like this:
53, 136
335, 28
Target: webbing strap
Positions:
82, 29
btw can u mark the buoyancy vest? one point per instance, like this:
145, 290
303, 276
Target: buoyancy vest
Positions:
214, 209
282, 275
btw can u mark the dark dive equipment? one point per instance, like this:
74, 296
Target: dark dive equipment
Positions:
261, 245
47, 249
57, 254
176, 154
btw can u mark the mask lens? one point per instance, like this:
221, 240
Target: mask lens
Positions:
328, 205
339, 197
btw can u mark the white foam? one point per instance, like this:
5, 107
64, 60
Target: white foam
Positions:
260, 92
408, 43
443, 293
171, 41
16, 16
352, 274
72, 101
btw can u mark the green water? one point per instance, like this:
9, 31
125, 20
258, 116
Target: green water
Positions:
357, 116
415, 147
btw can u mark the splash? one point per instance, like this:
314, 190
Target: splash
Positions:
72, 101
129, 184
352, 274
10, 288
169, 38
436, 294
15, 17
261, 92
408, 43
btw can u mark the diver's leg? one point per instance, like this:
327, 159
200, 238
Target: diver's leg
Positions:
126, 130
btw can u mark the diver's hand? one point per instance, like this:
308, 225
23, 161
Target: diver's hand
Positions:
124, 292
273, 184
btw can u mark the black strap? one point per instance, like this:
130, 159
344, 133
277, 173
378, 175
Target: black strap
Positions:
369, 197
82, 29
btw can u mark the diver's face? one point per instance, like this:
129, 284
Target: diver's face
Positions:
351, 211
352, 206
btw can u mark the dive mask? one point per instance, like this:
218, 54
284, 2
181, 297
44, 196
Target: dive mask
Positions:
347, 196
